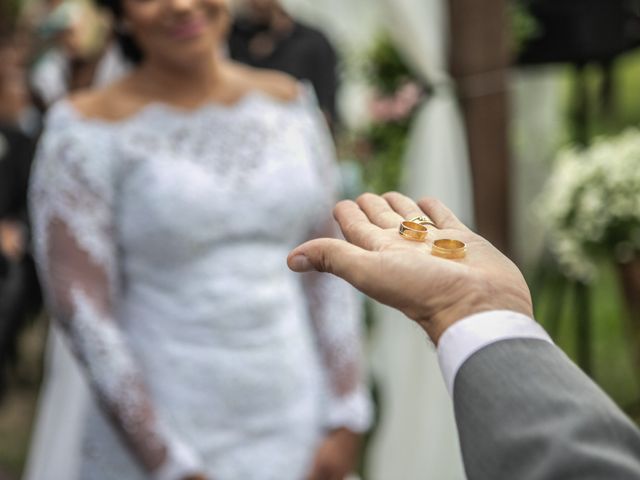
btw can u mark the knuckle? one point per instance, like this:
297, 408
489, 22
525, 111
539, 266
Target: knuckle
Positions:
325, 263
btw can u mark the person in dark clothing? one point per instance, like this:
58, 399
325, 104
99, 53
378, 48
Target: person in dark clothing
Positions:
16, 151
264, 35
19, 291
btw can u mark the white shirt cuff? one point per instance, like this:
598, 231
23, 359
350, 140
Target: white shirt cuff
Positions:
473, 333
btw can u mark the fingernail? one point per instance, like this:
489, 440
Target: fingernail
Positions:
300, 263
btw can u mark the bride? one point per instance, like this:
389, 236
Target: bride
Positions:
163, 209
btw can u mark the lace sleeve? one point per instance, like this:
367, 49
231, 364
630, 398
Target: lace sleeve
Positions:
72, 203
336, 308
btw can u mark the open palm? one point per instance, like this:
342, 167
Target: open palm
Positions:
403, 274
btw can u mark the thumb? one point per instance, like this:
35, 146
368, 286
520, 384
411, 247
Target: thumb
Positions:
347, 261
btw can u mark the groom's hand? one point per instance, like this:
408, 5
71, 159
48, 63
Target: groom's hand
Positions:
434, 292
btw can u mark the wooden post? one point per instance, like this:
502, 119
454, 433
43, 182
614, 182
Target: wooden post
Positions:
479, 62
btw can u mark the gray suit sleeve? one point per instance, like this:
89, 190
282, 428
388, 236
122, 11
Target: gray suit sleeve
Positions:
524, 411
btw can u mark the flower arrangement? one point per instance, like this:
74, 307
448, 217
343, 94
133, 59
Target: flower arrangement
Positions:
591, 205
396, 94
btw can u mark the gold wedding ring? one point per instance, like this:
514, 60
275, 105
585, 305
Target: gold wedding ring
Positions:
413, 231
450, 249
423, 220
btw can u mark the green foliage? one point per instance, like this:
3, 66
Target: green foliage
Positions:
383, 170
9, 14
555, 304
584, 90
385, 69
524, 26
380, 147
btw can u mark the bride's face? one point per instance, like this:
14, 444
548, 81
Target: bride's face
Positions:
179, 31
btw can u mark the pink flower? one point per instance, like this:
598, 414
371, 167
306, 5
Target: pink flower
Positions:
382, 109
398, 106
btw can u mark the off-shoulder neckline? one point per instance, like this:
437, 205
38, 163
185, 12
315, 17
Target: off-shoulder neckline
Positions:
209, 107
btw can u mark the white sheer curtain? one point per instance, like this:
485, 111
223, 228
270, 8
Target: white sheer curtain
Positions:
537, 129
416, 437
55, 446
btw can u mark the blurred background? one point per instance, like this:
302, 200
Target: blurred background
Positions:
522, 115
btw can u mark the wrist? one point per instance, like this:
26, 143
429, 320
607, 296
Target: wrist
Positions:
477, 300
352, 411
350, 440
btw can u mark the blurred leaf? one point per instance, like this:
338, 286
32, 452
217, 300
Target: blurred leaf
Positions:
385, 68
524, 26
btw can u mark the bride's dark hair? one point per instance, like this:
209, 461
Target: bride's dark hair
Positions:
128, 45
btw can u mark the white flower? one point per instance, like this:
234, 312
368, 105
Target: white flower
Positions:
591, 198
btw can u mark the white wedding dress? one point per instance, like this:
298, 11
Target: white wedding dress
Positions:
161, 241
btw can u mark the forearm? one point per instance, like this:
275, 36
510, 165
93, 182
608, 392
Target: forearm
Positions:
336, 314
73, 200
120, 387
554, 424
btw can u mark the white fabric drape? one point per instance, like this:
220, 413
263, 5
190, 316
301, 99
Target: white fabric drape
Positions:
537, 119
417, 438
56, 445
437, 160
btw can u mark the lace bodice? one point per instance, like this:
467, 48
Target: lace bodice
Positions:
161, 241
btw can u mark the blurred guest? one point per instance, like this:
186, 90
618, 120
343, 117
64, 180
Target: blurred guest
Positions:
18, 288
81, 54
16, 108
163, 207
264, 35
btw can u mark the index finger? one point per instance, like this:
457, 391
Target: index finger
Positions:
356, 226
379, 211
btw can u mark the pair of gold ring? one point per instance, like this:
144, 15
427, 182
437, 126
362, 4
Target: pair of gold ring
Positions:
416, 230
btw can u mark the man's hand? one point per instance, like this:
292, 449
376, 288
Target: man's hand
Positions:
433, 291
337, 456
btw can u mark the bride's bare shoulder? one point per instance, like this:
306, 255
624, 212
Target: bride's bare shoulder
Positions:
276, 84
111, 103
